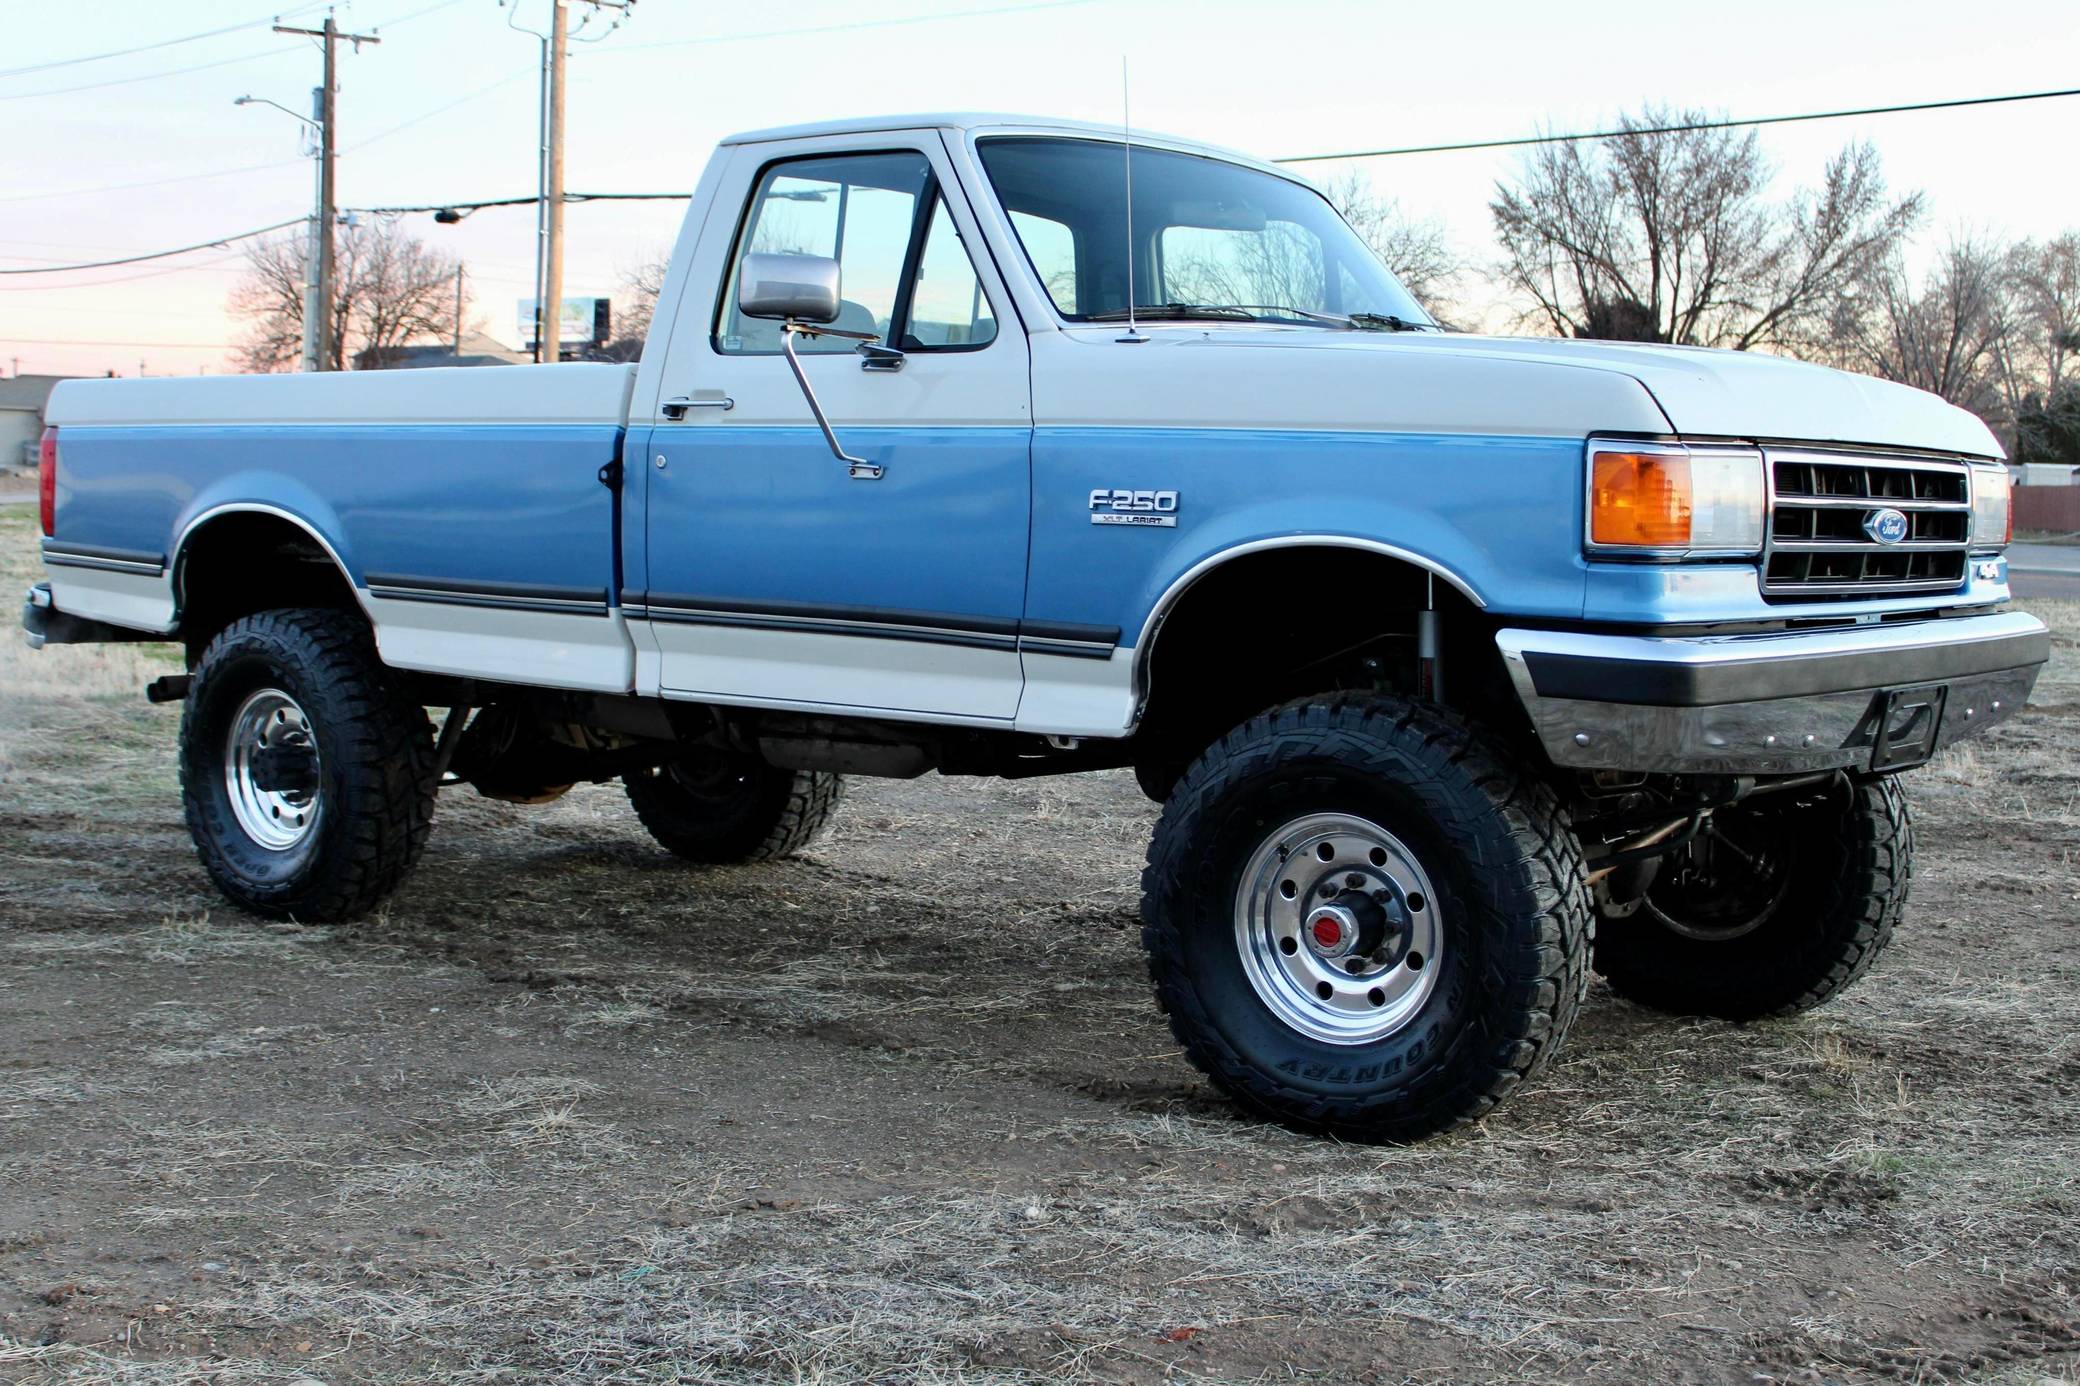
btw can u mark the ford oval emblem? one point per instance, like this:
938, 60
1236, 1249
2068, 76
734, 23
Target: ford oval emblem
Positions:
1885, 526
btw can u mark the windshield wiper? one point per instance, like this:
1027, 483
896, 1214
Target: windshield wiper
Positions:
1172, 312
1259, 312
1385, 322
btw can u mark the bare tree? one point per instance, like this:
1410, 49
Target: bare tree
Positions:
390, 288
1673, 237
2046, 280
644, 282
1946, 332
1418, 250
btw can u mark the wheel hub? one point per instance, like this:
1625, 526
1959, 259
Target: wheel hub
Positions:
1354, 924
1337, 928
272, 770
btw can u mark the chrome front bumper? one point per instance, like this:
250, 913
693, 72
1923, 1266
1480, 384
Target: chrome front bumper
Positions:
1878, 697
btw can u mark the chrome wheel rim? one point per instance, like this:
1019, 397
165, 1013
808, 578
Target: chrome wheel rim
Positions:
1327, 874
274, 818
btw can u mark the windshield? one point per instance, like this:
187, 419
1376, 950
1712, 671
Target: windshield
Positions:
1207, 235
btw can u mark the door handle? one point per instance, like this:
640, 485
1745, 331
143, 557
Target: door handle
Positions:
675, 408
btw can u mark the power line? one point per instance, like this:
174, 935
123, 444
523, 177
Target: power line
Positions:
164, 43
145, 77
527, 201
1683, 128
161, 254
848, 27
216, 266
439, 110
147, 183
524, 201
220, 62
71, 341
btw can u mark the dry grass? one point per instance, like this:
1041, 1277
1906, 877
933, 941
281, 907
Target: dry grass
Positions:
569, 1112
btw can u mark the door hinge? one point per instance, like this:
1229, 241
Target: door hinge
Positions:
610, 475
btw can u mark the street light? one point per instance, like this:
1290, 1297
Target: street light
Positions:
263, 101
314, 250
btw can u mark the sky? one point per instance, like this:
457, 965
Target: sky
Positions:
147, 151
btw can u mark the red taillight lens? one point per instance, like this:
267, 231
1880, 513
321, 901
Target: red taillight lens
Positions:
47, 481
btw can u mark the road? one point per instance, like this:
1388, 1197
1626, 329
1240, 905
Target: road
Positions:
2044, 570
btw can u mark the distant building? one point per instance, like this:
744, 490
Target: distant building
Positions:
477, 350
22, 399
2043, 474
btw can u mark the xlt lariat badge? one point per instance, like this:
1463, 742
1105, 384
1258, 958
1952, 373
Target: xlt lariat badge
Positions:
1123, 507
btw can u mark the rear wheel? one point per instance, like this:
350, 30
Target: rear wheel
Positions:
1363, 917
1780, 904
719, 807
306, 773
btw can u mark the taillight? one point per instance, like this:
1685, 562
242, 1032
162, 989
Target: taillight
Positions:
47, 481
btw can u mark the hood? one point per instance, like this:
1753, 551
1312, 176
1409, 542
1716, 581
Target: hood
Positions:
1747, 394
1705, 393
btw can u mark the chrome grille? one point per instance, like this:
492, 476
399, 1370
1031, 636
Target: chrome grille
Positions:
1819, 502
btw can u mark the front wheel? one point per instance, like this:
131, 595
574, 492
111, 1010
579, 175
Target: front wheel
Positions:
1365, 918
719, 807
306, 773
1778, 905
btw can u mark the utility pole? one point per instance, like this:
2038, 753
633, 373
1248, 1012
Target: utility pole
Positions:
552, 274
458, 310
548, 274
326, 356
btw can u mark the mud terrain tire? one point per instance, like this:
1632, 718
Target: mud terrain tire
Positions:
356, 827
1510, 915
1843, 861
718, 809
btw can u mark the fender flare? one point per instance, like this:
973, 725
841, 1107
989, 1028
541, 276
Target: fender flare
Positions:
1144, 645
177, 567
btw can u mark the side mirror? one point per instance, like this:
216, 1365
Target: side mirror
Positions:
802, 292
801, 288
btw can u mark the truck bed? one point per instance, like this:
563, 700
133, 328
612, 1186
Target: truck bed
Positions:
465, 505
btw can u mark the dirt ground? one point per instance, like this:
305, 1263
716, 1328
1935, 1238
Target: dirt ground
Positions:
902, 1111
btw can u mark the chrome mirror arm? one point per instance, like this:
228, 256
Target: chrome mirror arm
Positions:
859, 468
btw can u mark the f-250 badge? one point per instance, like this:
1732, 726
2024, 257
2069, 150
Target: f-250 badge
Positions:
1121, 507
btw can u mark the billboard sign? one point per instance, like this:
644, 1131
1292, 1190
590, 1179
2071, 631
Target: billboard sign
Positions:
584, 320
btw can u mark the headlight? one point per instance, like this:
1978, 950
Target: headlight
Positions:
1993, 510
1665, 500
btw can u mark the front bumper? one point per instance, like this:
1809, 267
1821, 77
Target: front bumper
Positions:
1876, 697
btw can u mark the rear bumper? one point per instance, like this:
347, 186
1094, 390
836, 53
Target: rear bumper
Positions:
1871, 697
46, 625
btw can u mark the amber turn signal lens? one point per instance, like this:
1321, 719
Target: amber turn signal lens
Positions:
1640, 498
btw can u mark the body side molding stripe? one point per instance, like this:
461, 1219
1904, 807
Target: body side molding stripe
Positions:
880, 623
103, 557
512, 596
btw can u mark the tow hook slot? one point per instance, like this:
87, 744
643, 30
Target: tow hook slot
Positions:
1903, 726
167, 688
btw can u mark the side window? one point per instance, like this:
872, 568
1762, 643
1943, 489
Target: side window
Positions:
1051, 246
947, 308
856, 209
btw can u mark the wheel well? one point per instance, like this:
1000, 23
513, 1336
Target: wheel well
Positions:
250, 561
1282, 623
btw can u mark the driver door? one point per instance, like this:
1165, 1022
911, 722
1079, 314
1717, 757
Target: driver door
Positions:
773, 576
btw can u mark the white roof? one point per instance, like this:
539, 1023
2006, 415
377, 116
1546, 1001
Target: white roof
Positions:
998, 123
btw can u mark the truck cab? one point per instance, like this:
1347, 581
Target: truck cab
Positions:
1000, 446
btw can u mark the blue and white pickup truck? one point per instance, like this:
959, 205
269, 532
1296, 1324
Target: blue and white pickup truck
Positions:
1460, 664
